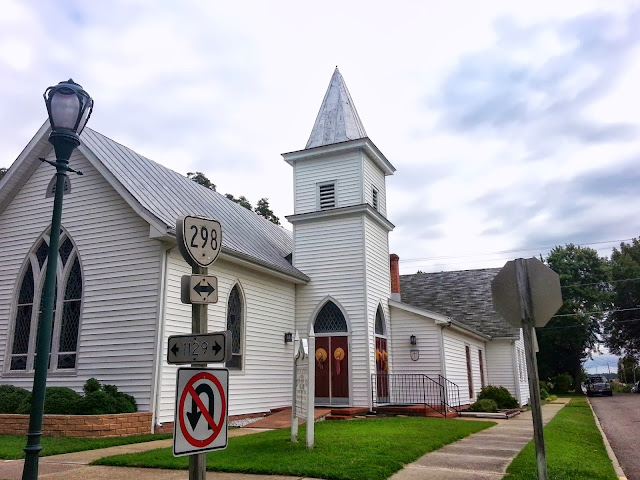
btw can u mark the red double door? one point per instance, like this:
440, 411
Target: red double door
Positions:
332, 370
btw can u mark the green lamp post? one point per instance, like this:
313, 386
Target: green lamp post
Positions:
69, 108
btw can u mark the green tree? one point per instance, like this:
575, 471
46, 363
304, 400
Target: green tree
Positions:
622, 328
628, 369
2, 172
262, 209
202, 179
242, 200
575, 330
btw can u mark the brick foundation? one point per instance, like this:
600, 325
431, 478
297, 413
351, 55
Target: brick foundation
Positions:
92, 426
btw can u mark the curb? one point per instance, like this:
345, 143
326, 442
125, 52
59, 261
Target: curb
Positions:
607, 445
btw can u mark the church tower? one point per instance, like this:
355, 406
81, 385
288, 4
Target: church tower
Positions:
340, 238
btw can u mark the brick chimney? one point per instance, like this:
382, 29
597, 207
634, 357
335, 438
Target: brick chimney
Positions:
395, 276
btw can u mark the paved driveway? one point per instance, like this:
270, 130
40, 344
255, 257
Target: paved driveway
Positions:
620, 419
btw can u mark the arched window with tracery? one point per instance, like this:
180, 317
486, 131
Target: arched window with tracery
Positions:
235, 324
330, 319
66, 313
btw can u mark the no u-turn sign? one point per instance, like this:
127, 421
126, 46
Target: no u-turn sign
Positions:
201, 410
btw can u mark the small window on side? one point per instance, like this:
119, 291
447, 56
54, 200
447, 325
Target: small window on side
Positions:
374, 197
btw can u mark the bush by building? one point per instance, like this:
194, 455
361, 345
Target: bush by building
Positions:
484, 405
500, 395
98, 399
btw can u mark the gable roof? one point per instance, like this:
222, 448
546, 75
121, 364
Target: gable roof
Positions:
463, 295
337, 121
161, 195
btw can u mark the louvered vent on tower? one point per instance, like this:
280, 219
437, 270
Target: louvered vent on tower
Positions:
327, 195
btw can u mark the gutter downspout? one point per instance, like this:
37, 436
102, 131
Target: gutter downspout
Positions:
157, 375
516, 373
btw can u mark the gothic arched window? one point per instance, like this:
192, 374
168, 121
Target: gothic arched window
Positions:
379, 327
235, 325
330, 319
66, 307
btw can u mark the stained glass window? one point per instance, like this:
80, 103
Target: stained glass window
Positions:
234, 324
330, 319
66, 309
379, 321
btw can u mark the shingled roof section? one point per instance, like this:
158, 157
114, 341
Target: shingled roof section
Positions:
168, 195
463, 295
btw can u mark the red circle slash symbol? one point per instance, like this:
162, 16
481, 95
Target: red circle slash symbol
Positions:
213, 426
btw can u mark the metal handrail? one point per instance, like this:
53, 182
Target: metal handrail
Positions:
408, 389
452, 393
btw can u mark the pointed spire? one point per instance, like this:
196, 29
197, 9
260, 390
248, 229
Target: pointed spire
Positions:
337, 120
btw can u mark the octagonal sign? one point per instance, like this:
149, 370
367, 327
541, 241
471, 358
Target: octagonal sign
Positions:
544, 285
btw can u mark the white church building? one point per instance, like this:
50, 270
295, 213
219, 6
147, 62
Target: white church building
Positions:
378, 334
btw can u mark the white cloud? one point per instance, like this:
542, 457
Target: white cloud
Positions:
225, 87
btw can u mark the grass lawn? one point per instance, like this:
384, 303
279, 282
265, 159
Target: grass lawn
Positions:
11, 446
371, 449
574, 447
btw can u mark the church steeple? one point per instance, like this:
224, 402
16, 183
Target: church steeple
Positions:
337, 120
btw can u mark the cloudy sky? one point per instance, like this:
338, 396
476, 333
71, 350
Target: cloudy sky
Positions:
513, 127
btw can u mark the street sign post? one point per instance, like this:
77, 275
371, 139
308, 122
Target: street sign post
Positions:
199, 240
527, 294
201, 410
199, 289
199, 348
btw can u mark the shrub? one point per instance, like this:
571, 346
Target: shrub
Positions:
484, 405
552, 398
11, 398
91, 385
57, 400
500, 395
562, 383
544, 385
96, 403
618, 387
544, 394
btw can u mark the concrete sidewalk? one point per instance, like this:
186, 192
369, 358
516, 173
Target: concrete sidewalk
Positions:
481, 456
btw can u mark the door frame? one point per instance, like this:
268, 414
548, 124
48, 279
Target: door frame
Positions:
347, 334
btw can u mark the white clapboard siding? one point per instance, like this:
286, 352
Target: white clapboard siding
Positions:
330, 251
121, 275
456, 362
500, 365
345, 169
374, 177
427, 334
378, 282
265, 381
524, 381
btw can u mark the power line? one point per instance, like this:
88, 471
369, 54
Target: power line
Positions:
600, 283
596, 311
582, 326
502, 252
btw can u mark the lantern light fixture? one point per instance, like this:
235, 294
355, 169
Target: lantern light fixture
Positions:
288, 337
413, 340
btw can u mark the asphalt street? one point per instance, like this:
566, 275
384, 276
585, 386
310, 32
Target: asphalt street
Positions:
620, 419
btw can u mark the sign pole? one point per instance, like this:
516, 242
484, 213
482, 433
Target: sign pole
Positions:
524, 292
198, 462
311, 391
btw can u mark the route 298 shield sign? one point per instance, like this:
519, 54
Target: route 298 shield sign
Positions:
201, 414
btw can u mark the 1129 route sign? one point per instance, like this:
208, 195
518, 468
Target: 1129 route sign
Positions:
201, 415
199, 348
199, 240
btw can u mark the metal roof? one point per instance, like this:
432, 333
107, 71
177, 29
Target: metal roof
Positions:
167, 195
337, 120
463, 295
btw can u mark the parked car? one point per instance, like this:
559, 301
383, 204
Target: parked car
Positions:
598, 385
636, 388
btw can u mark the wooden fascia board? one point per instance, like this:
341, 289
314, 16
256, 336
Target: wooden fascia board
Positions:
363, 144
22, 169
440, 320
343, 212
